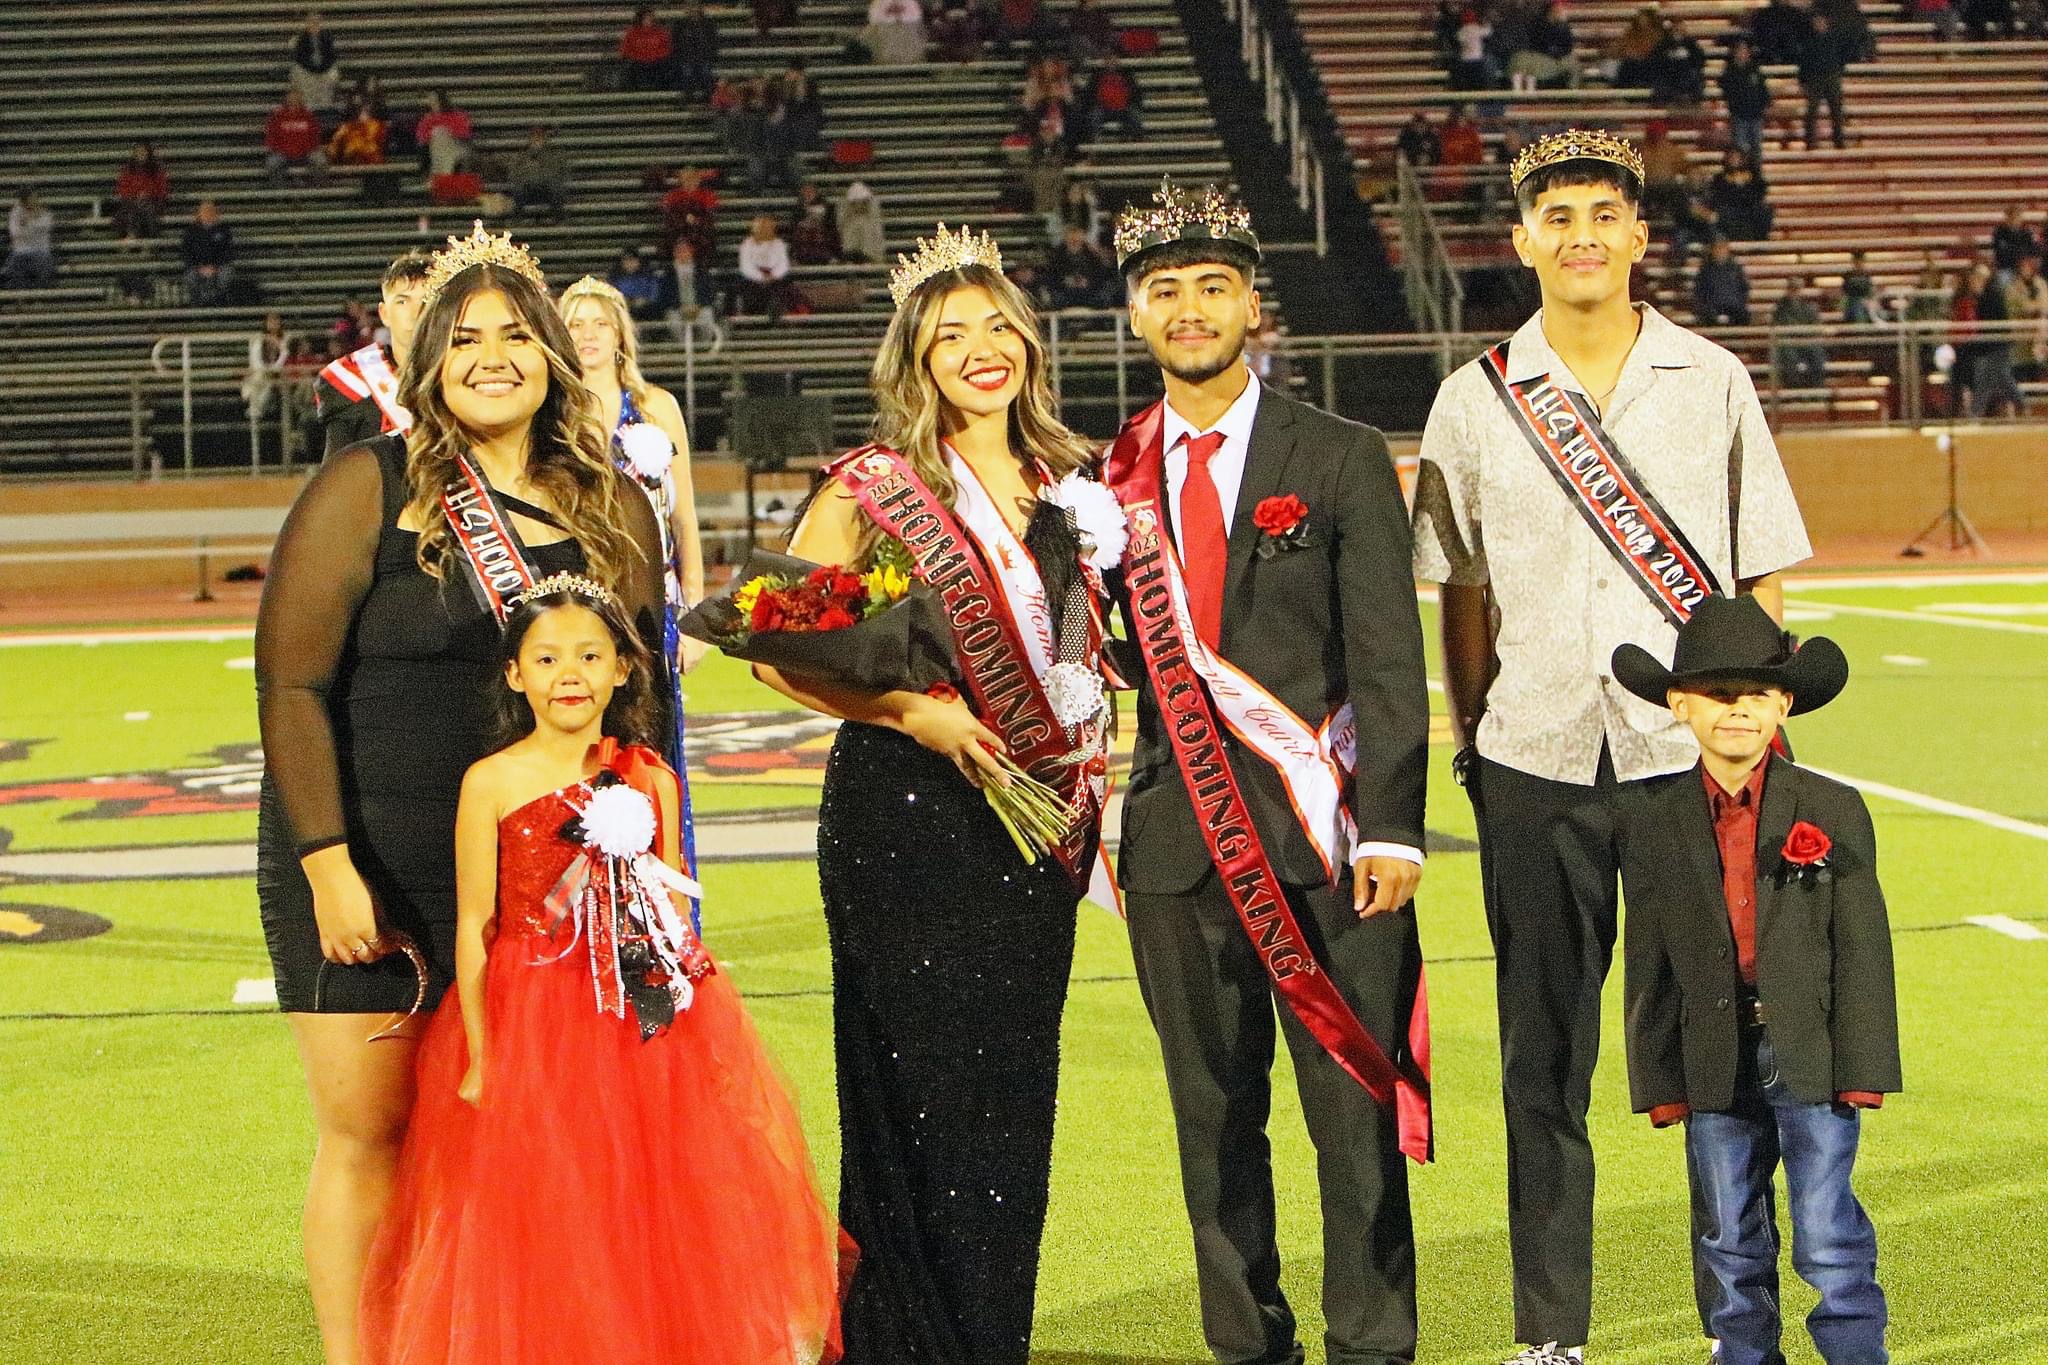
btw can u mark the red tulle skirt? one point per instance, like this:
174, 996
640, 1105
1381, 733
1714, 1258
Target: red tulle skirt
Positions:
610, 1201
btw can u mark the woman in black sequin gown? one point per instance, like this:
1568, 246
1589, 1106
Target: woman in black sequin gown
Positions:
373, 680
950, 955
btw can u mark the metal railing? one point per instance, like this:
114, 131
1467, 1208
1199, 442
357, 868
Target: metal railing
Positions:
1435, 293
260, 379
1283, 109
1890, 372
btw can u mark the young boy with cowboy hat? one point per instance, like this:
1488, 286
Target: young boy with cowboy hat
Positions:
1759, 985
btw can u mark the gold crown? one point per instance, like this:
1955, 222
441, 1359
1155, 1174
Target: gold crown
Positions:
481, 248
573, 583
592, 285
1179, 215
945, 251
1575, 144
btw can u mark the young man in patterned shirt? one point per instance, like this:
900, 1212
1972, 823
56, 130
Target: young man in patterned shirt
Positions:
1582, 485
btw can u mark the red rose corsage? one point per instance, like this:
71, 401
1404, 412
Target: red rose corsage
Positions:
1284, 519
1806, 851
942, 691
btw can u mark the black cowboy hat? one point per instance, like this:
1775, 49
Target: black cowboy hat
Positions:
1733, 639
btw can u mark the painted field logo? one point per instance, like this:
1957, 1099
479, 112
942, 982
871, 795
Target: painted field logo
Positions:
47, 924
230, 783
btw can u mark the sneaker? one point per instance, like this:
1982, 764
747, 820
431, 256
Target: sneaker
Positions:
1549, 1353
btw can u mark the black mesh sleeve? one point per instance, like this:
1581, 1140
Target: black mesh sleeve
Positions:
320, 572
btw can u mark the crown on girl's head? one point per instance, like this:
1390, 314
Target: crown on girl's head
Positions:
573, 583
591, 284
1575, 144
945, 251
482, 248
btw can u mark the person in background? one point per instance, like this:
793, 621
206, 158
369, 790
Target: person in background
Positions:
895, 33
315, 65
638, 285
1748, 97
141, 191
1113, 97
695, 44
538, 177
2026, 300
1782, 32
764, 270
208, 250
861, 235
1418, 142
1083, 275
689, 213
1720, 293
2012, 241
1738, 201
647, 47
1798, 364
1859, 291
1821, 66
359, 141
1678, 67
803, 113
32, 244
443, 133
1549, 55
1091, 31
686, 291
814, 235
291, 137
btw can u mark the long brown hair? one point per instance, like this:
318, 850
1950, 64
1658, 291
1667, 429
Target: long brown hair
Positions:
909, 411
568, 453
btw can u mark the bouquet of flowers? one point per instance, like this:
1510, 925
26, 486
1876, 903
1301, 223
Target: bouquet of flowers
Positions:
876, 629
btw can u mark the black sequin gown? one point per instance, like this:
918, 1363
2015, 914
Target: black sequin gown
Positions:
950, 959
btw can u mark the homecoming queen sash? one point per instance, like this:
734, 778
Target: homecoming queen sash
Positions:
493, 559
1605, 489
1193, 686
989, 614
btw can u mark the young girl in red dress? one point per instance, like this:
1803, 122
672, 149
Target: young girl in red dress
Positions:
603, 1162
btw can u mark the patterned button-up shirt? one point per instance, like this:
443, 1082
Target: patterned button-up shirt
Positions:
1686, 416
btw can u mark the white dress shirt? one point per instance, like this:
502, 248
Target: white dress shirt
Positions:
764, 262
1226, 469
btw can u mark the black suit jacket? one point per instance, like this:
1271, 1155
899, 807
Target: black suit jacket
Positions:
1823, 948
1333, 620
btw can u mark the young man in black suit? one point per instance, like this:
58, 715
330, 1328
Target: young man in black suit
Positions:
357, 396
1266, 851
1759, 982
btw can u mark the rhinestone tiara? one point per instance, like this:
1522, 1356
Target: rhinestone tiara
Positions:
1183, 215
573, 583
482, 248
1575, 144
945, 251
592, 285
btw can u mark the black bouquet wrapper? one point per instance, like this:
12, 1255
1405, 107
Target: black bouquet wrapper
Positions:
909, 646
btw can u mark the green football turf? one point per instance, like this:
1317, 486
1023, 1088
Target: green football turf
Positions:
154, 1138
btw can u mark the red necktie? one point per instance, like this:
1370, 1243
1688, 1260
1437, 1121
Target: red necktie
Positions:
1204, 545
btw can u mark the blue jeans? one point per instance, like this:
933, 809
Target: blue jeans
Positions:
1731, 1159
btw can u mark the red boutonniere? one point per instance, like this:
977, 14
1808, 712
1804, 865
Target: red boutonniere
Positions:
1284, 519
1806, 851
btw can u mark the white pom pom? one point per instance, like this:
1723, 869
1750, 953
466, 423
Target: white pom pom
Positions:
648, 449
1097, 515
619, 822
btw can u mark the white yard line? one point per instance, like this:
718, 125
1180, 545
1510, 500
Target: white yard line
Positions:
1939, 805
209, 634
1965, 578
1935, 618
2010, 927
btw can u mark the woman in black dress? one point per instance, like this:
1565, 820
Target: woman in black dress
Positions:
950, 954
375, 653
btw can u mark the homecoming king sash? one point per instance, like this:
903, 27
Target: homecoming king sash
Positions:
1192, 685
988, 616
364, 373
495, 562
1599, 482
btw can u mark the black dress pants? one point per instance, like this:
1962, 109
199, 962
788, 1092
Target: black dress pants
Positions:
1549, 858
1214, 1009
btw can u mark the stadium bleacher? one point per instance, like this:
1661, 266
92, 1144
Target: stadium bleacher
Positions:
86, 80
1943, 138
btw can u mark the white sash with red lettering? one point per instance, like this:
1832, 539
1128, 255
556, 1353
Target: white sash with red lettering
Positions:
364, 373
